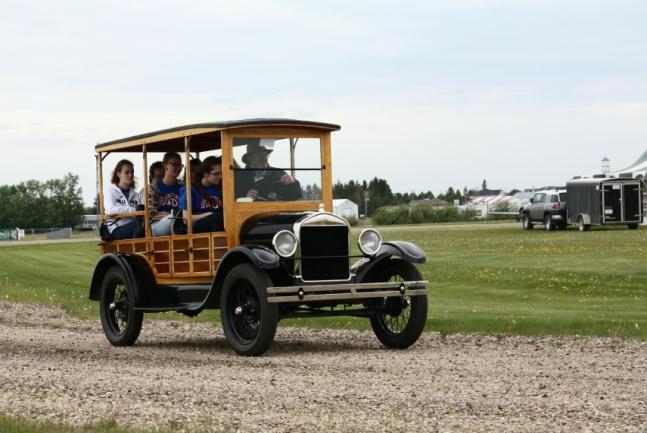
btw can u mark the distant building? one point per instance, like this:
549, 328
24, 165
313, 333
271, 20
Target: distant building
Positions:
345, 208
488, 192
89, 222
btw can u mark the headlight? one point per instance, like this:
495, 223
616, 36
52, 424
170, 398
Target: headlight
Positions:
369, 241
285, 243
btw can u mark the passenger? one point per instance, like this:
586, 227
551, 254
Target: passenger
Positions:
206, 197
193, 165
155, 173
264, 182
121, 197
164, 196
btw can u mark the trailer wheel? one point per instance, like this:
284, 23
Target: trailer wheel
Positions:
581, 226
120, 322
633, 226
526, 222
548, 222
248, 320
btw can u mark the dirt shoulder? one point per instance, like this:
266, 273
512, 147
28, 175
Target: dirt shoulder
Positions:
183, 375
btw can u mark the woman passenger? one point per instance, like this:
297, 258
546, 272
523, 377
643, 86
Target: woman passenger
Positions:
163, 195
121, 197
206, 197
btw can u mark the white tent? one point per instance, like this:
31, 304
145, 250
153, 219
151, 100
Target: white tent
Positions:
345, 208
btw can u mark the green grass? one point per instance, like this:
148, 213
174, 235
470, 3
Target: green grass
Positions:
496, 281
9, 424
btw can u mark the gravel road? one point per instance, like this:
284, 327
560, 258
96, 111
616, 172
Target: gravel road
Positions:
182, 375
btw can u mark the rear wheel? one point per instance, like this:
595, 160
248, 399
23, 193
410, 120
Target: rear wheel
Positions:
526, 222
248, 320
548, 222
398, 321
581, 226
632, 226
120, 322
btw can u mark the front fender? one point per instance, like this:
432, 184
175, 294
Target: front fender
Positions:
406, 251
138, 274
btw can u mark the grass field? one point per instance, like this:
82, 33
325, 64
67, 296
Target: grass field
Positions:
10, 424
499, 280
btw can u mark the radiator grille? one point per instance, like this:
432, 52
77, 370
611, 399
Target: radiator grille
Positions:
324, 253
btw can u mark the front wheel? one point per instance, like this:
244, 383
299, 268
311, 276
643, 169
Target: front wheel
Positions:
581, 226
248, 320
120, 322
398, 321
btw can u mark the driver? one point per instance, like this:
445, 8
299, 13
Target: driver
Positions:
260, 181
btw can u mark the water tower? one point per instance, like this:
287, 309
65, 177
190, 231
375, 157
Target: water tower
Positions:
606, 165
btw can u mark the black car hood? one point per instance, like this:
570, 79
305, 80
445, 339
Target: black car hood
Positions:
260, 229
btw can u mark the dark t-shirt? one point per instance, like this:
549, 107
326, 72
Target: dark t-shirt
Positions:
208, 199
169, 196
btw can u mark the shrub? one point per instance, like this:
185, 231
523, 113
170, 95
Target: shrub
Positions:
352, 220
420, 214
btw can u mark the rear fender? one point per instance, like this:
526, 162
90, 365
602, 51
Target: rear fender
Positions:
586, 218
258, 255
136, 269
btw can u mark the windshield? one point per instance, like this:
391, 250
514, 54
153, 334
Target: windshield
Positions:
277, 169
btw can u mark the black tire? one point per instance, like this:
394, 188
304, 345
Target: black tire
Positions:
398, 321
581, 226
548, 222
633, 226
248, 320
526, 222
121, 323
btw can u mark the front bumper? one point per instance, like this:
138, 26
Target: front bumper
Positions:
348, 291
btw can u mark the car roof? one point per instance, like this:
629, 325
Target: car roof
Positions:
205, 135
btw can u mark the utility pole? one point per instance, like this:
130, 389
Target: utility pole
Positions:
366, 203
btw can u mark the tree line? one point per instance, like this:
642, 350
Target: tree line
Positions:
379, 194
36, 204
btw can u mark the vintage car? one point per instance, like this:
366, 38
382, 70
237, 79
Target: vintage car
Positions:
276, 257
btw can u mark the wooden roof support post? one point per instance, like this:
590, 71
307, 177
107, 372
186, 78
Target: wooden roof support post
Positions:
100, 209
227, 188
326, 172
187, 184
147, 225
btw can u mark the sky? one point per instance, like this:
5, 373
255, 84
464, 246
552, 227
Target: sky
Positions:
429, 94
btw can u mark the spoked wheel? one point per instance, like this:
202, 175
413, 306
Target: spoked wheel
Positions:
525, 222
399, 321
248, 320
121, 323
